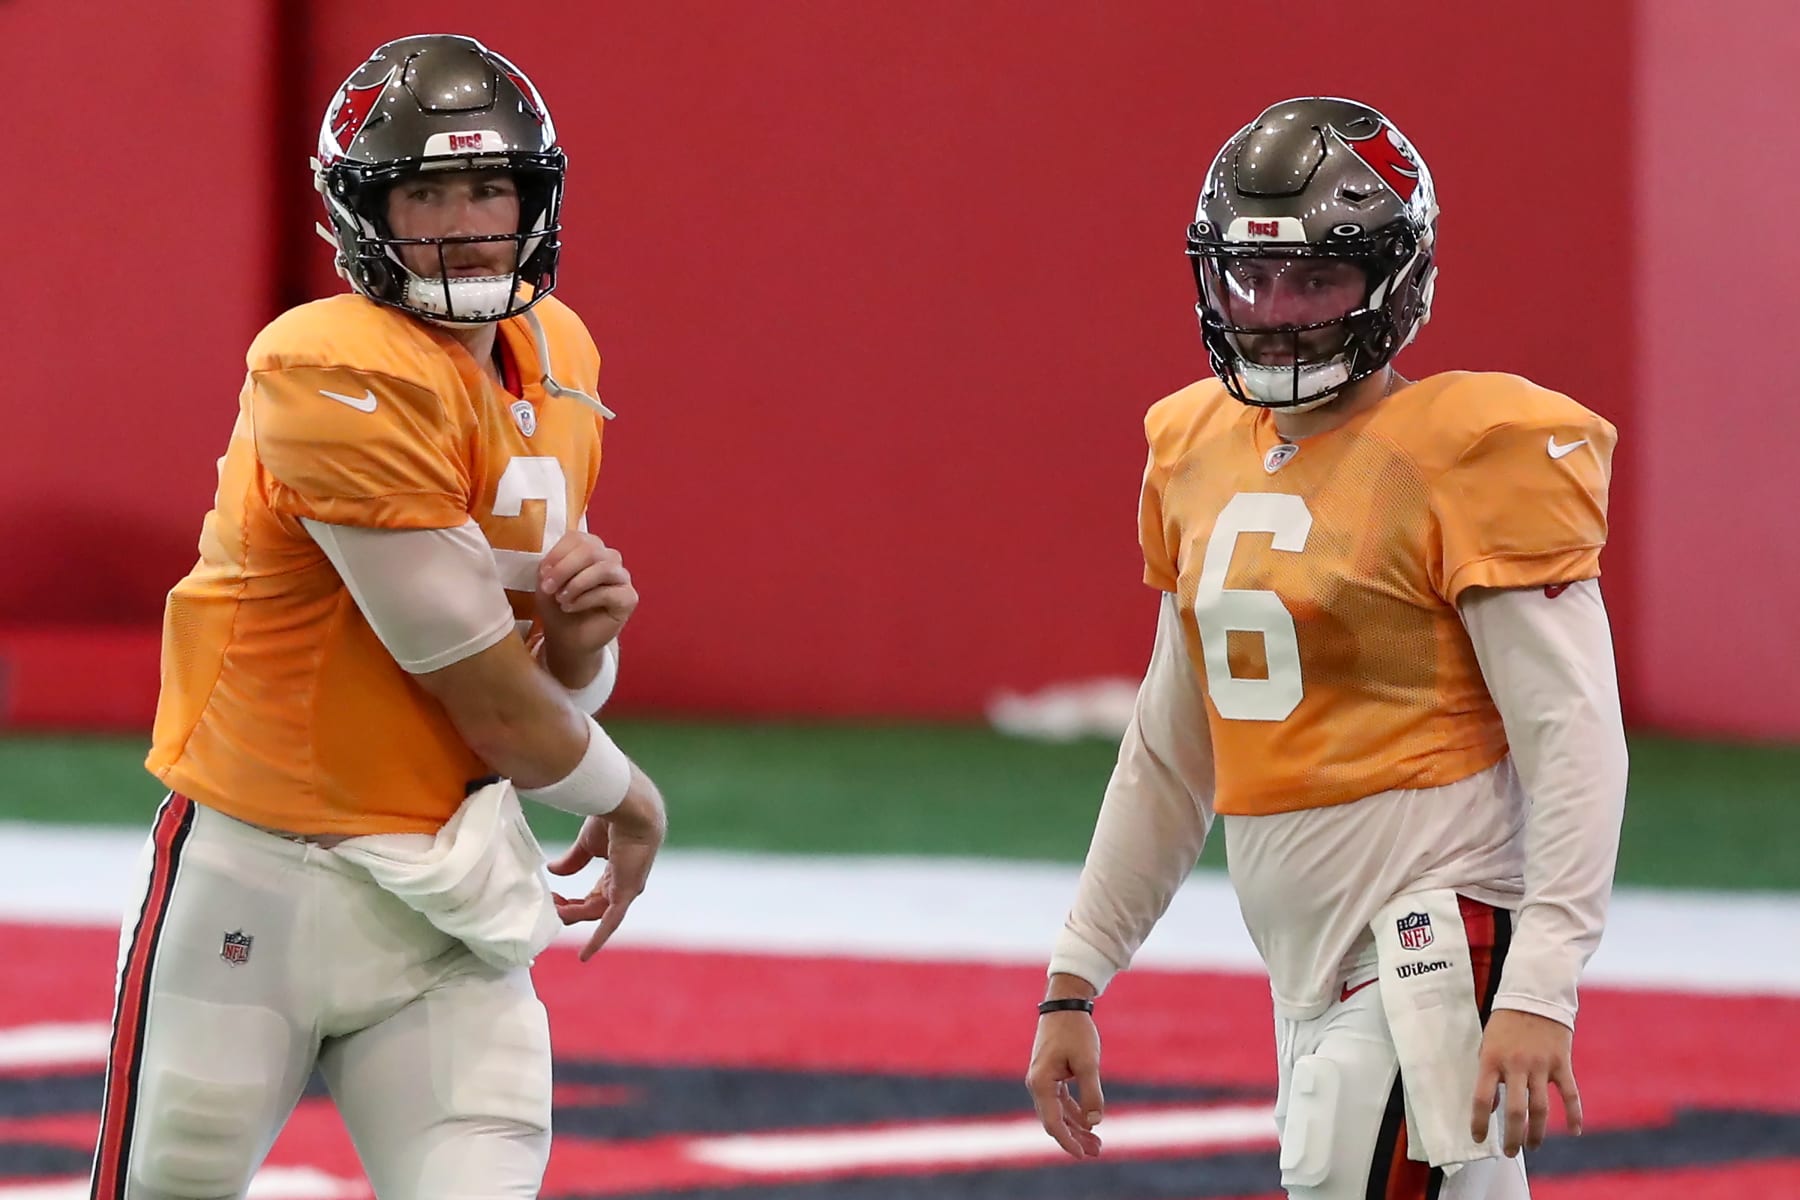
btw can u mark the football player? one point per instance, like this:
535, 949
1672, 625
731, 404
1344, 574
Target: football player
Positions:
1383, 659
396, 601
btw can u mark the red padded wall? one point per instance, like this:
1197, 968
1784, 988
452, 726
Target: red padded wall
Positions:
884, 290
1719, 172
138, 202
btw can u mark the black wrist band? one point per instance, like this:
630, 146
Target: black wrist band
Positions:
1067, 1004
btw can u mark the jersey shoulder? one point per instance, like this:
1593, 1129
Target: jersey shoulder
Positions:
353, 335
346, 367
574, 358
1450, 418
563, 323
357, 417
1179, 423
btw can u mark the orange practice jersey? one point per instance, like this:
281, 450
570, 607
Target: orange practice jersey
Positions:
1318, 583
279, 705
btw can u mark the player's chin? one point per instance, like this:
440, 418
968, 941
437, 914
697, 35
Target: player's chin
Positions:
483, 270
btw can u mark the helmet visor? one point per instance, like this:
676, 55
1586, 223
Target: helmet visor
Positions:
1283, 309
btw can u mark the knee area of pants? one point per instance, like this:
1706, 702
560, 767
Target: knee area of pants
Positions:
204, 1097
1314, 1087
196, 1137
497, 1066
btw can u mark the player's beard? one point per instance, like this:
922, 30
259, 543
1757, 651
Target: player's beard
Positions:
1308, 347
1276, 366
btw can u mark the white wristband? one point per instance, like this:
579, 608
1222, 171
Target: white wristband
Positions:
598, 690
598, 783
593, 697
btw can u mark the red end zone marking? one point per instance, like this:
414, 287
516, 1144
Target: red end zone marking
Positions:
846, 1014
874, 1016
1722, 1183
690, 1161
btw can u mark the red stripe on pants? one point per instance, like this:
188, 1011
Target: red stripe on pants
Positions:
123, 1059
1406, 1179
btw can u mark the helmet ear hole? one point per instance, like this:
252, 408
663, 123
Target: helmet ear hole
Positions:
374, 277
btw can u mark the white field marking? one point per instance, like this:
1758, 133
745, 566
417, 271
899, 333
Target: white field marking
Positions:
961, 910
271, 1183
29, 1046
980, 1141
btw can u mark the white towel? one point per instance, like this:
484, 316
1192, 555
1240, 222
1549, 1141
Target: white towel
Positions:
480, 879
1434, 1017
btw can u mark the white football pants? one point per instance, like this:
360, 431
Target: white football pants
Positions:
1339, 1107
250, 959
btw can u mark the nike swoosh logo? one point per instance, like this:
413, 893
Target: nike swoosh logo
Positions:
366, 402
1351, 991
1557, 451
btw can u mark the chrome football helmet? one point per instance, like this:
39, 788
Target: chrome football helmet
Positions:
431, 103
1313, 248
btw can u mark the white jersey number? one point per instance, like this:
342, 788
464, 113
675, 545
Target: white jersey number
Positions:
1219, 610
531, 477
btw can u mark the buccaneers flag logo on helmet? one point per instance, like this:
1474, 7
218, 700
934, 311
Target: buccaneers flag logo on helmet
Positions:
529, 93
353, 109
1388, 158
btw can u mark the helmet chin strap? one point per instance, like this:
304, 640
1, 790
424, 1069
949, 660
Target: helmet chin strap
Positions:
542, 342
550, 384
538, 336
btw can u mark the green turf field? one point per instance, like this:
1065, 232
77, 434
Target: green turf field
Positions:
1701, 815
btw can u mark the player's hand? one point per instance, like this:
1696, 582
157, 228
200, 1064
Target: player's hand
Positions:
1528, 1054
584, 594
1068, 1049
628, 838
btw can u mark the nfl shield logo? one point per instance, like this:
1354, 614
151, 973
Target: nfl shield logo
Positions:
1415, 931
1278, 457
526, 416
236, 949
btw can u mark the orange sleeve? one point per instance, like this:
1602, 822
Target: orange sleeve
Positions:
1153, 530
1525, 504
352, 447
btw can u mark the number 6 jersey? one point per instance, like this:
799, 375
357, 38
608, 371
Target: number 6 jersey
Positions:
279, 704
1319, 579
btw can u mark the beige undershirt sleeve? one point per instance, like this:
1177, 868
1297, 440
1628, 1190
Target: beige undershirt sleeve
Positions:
1153, 819
433, 596
1548, 663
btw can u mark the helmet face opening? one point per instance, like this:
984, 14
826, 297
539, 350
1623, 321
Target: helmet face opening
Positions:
1312, 252
440, 103
440, 285
1288, 325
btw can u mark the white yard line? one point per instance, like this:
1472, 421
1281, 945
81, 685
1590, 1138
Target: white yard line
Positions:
964, 910
978, 1141
38, 1046
271, 1183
